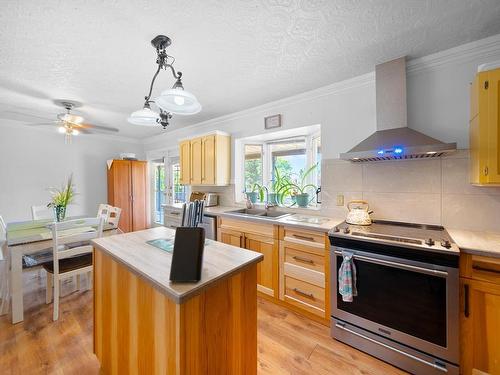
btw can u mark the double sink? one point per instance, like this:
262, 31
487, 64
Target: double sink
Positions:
259, 213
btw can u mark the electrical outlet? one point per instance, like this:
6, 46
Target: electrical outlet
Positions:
340, 199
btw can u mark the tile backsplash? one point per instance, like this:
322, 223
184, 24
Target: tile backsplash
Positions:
432, 191
226, 193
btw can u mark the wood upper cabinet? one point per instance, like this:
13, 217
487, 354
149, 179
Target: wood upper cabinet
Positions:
484, 128
196, 161
127, 189
480, 315
206, 160
185, 162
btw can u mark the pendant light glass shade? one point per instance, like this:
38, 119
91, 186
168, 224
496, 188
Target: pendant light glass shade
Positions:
144, 117
178, 101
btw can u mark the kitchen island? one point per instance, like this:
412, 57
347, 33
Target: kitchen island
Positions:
145, 324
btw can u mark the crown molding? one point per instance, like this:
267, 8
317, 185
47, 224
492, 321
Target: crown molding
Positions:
331, 89
484, 48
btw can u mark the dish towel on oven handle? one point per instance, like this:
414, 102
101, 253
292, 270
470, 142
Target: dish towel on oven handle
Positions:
347, 277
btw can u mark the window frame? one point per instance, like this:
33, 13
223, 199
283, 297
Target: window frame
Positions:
311, 159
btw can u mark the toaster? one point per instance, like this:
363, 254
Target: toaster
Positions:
211, 199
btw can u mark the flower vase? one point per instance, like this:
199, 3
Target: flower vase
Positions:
60, 213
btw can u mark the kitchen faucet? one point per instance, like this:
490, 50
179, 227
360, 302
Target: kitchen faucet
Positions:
267, 204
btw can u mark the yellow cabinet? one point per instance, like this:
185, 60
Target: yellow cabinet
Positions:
484, 128
208, 161
185, 162
196, 161
480, 315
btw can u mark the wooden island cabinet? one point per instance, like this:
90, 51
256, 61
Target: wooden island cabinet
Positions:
144, 324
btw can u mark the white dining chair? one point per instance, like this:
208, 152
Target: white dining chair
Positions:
110, 213
41, 212
3, 266
70, 261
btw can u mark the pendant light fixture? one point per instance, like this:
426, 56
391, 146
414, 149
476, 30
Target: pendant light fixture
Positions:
172, 101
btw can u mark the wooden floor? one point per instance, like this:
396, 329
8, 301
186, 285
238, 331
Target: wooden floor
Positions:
288, 343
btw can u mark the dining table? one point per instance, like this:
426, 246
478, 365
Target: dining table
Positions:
28, 238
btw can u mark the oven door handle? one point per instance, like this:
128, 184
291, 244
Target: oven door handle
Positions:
434, 365
403, 266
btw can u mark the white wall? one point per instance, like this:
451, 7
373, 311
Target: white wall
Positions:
434, 191
32, 160
438, 104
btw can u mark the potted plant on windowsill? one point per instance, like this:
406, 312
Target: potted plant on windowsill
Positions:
298, 191
279, 188
255, 193
61, 198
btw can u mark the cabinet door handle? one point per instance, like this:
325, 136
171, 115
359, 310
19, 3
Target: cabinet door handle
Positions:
483, 269
466, 300
305, 238
303, 260
302, 293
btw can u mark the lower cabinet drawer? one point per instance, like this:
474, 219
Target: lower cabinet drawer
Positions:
172, 223
305, 295
304, 259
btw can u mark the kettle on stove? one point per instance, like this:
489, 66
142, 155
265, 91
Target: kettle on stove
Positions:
359, 213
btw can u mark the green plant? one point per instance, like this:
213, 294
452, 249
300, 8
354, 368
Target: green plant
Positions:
63, 196
300, 186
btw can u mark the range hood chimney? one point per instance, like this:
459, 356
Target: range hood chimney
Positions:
393, 139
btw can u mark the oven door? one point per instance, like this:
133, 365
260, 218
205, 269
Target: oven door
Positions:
413, 303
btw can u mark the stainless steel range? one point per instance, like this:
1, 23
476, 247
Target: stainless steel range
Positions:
406, 308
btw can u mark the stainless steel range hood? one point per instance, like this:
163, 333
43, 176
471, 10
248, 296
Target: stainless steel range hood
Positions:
393, 139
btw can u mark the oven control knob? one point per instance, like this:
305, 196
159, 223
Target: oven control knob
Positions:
346, 230
429, 242
446, 244
336, 229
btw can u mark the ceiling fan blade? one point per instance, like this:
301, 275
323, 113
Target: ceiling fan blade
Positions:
97, 128
22, 117
53, 123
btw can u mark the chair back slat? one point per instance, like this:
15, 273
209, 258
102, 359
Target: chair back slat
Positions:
41, 212
111, 214
71, 252
3, 228
74, 231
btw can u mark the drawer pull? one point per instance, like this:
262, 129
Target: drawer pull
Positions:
303, 260
479, 268
305, 238
302, 293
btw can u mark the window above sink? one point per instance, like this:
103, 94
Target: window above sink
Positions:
288, 157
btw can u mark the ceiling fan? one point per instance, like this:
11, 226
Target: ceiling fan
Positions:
67, 123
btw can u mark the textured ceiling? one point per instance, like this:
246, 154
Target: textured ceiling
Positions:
234, 54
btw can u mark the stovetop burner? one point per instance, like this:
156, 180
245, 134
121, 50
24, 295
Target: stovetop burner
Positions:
413, 235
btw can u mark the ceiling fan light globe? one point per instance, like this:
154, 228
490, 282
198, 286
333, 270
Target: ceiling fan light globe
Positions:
68, 117
74, 132
61, 129
178, 101
144, 117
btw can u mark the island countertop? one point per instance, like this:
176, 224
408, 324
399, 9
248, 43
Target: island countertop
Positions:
220, 261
